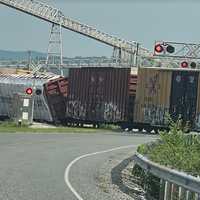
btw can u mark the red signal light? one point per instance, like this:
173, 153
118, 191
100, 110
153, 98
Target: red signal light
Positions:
184, 64
29, 91
159, 48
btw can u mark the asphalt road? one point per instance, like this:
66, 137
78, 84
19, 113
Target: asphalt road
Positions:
32, 166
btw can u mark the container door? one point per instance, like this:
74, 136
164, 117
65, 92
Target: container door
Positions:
184, 96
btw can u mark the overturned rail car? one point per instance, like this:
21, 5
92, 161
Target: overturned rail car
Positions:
56, 92
92, 95
12, 82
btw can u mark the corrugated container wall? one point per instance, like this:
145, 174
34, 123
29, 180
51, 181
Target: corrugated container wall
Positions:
98, 94
198, 107
183, 100
152, 96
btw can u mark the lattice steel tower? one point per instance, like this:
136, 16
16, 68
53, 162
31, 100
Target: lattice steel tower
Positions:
55, 51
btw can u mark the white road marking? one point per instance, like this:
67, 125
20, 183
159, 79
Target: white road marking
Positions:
67, 170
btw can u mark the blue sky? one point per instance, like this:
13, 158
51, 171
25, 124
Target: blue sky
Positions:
144, 21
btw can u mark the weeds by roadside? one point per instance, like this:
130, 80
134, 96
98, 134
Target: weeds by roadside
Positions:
176, 149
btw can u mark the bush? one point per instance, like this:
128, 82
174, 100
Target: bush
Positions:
176, 149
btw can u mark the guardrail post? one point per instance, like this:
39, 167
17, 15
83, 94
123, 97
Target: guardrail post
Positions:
197, 196
174, 191
188, 195
168, 187
162, 189
179, 193
182, 193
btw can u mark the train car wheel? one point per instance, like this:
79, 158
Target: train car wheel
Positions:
148, 129
140, 129
156, 131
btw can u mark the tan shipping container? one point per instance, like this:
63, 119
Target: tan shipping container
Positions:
163, 91
152, 96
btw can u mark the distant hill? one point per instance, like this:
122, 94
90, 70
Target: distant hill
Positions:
19, 55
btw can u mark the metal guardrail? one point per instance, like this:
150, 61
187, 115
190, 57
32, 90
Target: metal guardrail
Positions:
185, 184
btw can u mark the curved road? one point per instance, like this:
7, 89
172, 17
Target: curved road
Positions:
32, 166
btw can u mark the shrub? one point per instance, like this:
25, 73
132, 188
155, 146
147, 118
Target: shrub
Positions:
176, 150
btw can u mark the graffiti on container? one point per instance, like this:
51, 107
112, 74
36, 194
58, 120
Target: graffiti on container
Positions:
152, 85
111, 112
92, 79
101, 79
155, 114
75, 109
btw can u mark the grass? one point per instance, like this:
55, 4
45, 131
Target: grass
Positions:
10, 127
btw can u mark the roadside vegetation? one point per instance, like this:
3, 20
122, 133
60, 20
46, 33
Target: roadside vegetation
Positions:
175, 149
11, 127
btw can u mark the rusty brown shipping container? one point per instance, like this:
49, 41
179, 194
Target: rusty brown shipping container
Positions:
163, 91
56, 92
98, 94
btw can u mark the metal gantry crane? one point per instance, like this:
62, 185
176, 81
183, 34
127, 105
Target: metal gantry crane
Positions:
55, 16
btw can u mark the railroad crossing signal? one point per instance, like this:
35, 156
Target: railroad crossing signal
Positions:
185, 64
163, 48
177, 50
158, 48
29, 91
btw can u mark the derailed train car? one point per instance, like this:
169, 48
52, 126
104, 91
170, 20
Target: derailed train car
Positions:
92, 95
12, 82
56, 92
166, 91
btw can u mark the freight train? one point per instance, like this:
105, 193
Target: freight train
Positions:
132, 99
